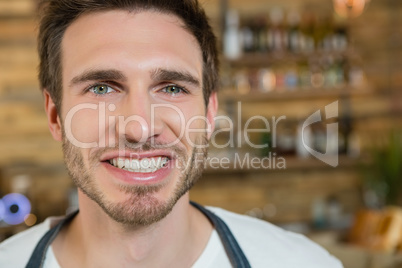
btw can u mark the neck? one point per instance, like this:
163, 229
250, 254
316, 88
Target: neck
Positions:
93, 239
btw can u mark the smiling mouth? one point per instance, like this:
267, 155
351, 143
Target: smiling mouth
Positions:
144, 165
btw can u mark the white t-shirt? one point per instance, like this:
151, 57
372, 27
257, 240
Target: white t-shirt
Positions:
264, 244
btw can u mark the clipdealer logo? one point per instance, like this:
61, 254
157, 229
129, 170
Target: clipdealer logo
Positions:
331, 155
236, 134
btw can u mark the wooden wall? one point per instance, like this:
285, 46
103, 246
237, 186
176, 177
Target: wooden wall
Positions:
376, 38
24, 136
26, 146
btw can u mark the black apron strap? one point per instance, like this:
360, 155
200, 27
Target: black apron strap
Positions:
38, 256
232, 248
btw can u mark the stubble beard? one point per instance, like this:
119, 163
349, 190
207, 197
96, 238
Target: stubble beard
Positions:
141, 207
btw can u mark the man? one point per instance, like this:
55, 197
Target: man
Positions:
130, 91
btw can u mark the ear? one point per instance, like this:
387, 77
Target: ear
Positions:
53, 118
211, 111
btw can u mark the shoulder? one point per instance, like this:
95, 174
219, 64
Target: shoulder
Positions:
265, 243
16, 251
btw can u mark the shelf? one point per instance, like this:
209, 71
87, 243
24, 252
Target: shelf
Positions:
293, 163
296, 94
264, 59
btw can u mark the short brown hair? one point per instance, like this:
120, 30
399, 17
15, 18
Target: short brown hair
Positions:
57, 15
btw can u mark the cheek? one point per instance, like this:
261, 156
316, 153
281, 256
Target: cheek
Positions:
171, 117
183, 121
82, 125
196, 127
195, 123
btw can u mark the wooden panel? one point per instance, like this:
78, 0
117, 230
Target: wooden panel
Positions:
18, 56
290, 194
18, 29
10, 8
40, 150
17, 79
22, 119
263, 6
24, 137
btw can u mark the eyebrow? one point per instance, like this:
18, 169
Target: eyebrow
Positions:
93, 75
116, 75
173, 75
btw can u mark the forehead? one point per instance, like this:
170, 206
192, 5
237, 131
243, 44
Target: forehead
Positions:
129, 41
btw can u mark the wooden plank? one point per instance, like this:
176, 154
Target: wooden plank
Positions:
373, 105
244, 192
22, 119
10, 8
211, 8
18, 109
16, 73
17, 78
22, 91
294, 94
258, 6
18, 29
292, 163
24, 127
40, 150
18, 56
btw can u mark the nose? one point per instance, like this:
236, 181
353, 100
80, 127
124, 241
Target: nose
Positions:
137, 123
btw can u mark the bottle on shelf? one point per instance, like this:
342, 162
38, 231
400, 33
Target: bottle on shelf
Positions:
291, 78
294, 33
330, 73
286, 139
280, 72
278, 37
307, 29
297, 33
261, 33
340, 38
321, 138
267, 80
304, 139
247, 37
242, 82
321, 74
345, 129
232, 43
357, 77
317, 76
304, 74
266, 139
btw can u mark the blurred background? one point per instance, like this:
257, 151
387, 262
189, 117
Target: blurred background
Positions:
281, 62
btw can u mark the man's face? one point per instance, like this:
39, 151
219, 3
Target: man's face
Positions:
130, 117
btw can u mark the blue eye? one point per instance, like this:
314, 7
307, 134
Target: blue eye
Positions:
101, 89
174, 90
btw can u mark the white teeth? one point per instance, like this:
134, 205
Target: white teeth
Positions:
135, 164
120, 163
145, 165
